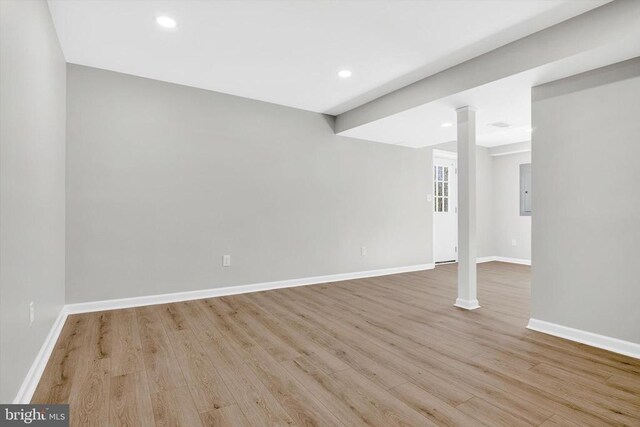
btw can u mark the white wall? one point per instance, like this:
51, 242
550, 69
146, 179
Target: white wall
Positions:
162, 180
507, 224
586, 218
32, 185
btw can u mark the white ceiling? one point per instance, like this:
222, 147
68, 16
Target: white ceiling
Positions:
288, 52
507, 101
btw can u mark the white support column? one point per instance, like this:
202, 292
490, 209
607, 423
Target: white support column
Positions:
467, 252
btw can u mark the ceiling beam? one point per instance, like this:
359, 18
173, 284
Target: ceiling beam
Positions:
613, 23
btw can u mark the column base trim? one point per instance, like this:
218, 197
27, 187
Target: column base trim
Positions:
467, 304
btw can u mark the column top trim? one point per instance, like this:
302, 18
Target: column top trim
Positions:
466, 108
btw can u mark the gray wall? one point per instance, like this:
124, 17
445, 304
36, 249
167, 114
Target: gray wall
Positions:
32, 185
485, 208
162, 180
586, 220
507, 224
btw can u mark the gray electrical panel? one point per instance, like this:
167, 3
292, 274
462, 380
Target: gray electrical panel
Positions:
525, 189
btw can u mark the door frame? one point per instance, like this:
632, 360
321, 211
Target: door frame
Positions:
442, 154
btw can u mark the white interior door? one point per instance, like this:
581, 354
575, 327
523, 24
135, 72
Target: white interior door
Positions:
445, 208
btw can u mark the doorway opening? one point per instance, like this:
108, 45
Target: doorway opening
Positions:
445, 207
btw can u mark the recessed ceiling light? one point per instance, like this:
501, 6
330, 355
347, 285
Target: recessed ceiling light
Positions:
344, 74
446, 124
166, 22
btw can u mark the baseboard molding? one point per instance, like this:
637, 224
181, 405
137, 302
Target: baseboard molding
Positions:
87, 307
615, 345
28, 387
467, 304
513, 260
503, 259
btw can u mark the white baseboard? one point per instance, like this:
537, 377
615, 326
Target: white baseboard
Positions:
513, 260
615, 345
467, 304
86, 307
503, 259
28, 387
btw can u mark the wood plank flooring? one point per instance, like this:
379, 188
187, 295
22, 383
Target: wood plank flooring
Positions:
382, 351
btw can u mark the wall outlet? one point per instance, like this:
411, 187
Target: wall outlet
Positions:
363, 250
32, 313
513, 242
226, 260
429, 198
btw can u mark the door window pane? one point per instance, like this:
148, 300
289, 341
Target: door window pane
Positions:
441, 188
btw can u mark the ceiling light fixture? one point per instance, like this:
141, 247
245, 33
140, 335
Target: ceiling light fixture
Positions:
344, 74
500, 125
446, 124
166, 22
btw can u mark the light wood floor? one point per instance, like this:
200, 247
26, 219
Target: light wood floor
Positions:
382, 351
